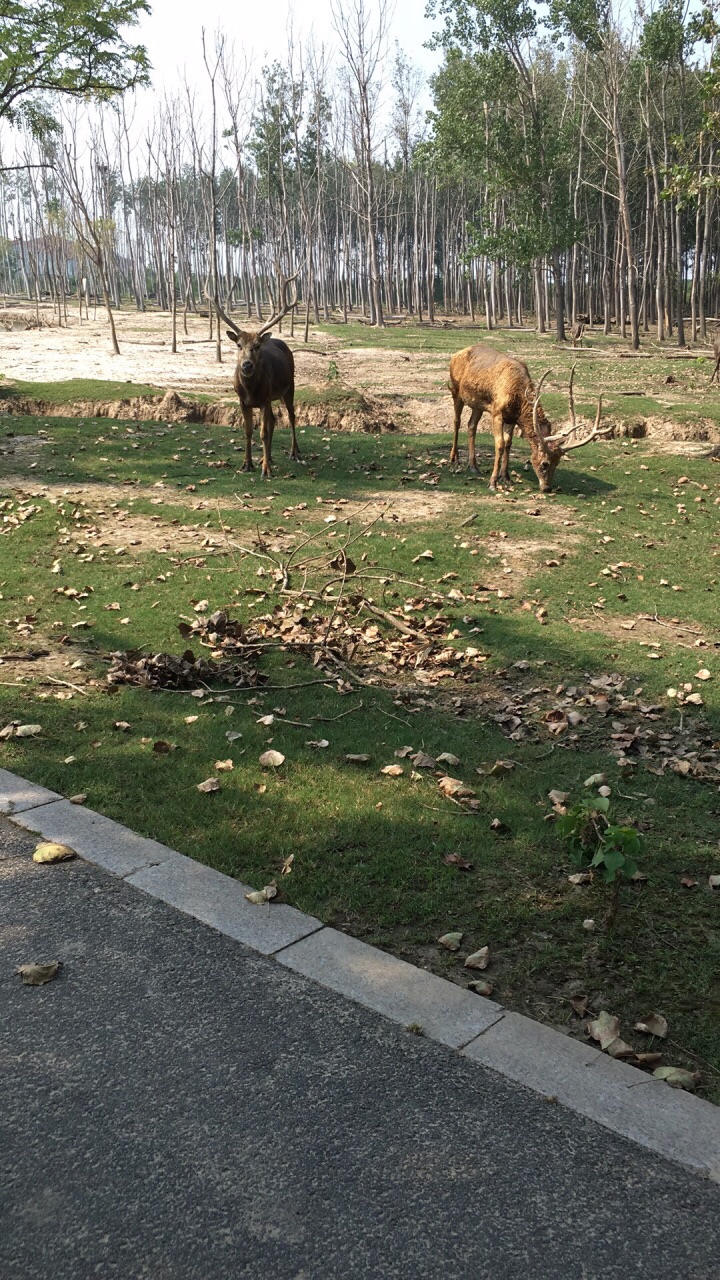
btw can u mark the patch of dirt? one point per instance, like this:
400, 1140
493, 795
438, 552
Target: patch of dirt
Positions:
363, 413
668, 435
645, 630
520, 558
48, 665
124, 531
400, 506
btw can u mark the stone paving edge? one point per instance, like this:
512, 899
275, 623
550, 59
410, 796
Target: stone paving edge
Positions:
672, 1123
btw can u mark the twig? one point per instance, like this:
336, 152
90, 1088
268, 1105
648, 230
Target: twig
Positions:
53, 680
329, 719
393, 621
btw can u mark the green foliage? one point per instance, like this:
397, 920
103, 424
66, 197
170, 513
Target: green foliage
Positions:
593, 841
73, 48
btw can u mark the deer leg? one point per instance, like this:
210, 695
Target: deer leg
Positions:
475, 417
498, 434
459, 406
715, 371
266, 432
505, 466
289, 403
248, 464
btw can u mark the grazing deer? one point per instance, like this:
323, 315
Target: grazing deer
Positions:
486, 379
716, 353
265, 371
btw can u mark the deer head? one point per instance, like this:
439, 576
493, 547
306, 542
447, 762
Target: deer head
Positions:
249, 344
548, 448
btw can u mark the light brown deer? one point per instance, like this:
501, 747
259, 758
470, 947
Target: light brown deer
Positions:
265, 371
577, 333
486, 379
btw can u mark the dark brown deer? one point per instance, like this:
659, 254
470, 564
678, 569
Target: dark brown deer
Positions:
716, 352
486, 379
265, 371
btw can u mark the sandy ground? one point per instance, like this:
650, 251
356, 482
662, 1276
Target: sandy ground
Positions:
412, 385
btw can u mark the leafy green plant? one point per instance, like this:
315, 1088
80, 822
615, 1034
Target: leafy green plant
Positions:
333, 373
594, 841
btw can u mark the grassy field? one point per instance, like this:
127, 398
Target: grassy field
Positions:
613, 580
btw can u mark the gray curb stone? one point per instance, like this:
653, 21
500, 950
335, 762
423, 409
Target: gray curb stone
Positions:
630, 1102
98, 839
220, 902
392, 987
16, 794
672, 1123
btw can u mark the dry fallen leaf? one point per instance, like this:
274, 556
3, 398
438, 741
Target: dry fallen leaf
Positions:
393, 770
653, 1025
357, 759
558, 797
232, 736
703, 674
403, 752
423, 761
122, 725
191, 719
606, 1031
498, 826
28, 730
272, 759
497, 769
579, 1006
581, 877
687, 882
454, 787
595, 780
287, 865
714, 882
447, 757
481, 987
321, 743
224, 766
161, 747
677, 1077
258, 896
455, 860
36, 975
479, 959
210, 784
78, 799
451, 941
266, 720
49, 851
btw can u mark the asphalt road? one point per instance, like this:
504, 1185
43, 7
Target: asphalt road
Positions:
176, 1107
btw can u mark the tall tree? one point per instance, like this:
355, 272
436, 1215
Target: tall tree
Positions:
71, 47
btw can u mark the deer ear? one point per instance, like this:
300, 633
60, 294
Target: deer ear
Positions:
264, 337
234, 337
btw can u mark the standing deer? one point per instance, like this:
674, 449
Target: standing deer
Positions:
577, 333
486, 379
716, 353
265, 371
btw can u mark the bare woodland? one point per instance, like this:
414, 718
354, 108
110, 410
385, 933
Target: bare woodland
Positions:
557, 176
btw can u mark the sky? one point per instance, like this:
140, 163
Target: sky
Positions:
171, 33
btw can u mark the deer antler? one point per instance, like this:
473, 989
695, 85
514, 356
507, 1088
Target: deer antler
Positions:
540, 438
230, 323
595, 434
287, 306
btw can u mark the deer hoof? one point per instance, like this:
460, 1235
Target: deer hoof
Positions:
454, 457
248, 466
